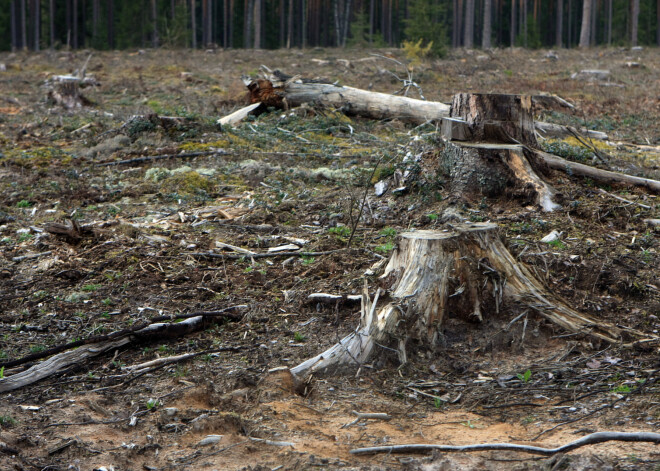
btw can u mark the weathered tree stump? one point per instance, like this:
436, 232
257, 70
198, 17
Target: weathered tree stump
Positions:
496, 117
487, 149
66, 92
467, 271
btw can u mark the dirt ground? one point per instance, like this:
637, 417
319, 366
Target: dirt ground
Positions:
145, 243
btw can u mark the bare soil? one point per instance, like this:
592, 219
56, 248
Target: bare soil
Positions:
146, 229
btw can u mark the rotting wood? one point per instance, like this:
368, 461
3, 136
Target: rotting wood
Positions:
61, 361
466, 270
591, 439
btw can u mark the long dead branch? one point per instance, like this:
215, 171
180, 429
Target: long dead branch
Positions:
603, 176
591, 439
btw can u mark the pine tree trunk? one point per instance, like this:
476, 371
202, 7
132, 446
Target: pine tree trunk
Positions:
111, 24
154, 18
585, 30
289, 38
609, 22
524, 16
257, 24
95, 22
487, 31
635, 22
513, 23
193, 23
23, 25
559, 29
14, 15
74, 20
468, 39
36, 12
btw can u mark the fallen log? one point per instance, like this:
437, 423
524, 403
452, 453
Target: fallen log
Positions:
61, 361
281, 91
466, 270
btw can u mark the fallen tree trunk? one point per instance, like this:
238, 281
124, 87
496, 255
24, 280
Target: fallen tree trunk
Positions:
467, 271
280, 91
61, 361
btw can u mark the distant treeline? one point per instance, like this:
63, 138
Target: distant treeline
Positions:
121, 24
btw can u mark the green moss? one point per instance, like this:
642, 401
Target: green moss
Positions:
189, 183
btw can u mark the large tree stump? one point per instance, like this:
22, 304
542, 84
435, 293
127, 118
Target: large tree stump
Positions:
467, 271
496, 117
496, 159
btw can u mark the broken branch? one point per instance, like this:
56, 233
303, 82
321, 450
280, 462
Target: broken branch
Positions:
591, 439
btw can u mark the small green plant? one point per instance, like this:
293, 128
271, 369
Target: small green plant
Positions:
432, 217
437, 402
90, 287
3, 354
558, 244
37, 348
24, 236
7, 240
385, 248
7, 420
622, 389
23, 204
164, 349
525, 377
468, 424
107, 302
340, 231
298, 337
181, 371
307, 260
152, 404
388, 232
2, 372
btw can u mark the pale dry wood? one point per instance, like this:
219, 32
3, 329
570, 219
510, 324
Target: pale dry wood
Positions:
238, 115
596, 174
58, 363
467, 267
560, 131
354, 101
355, 348
591, 439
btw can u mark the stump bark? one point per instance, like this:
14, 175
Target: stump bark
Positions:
486, 149
467, 271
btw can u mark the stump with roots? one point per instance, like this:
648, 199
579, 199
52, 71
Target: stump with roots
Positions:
466, 270
487, 145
